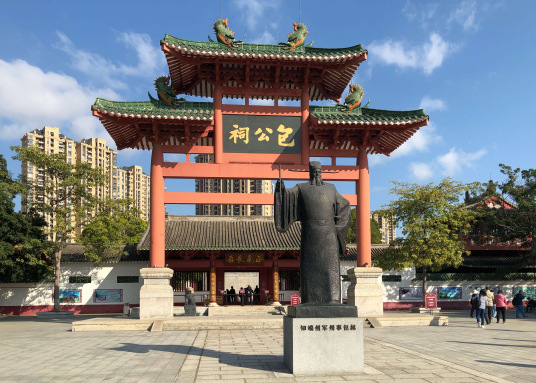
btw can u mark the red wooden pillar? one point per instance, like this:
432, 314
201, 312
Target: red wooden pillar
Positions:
158, 210
218, 124
305, 126
363, 211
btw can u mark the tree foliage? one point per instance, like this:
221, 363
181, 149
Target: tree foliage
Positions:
65, 194
433, 223
517, 223
23, 250
116, 224
375, 233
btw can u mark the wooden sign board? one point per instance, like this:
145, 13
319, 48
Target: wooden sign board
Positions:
244, 259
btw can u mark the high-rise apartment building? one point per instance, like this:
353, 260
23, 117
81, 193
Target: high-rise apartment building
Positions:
387, 228
231, 186
125, 182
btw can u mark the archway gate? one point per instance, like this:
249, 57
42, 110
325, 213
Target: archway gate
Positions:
238, 136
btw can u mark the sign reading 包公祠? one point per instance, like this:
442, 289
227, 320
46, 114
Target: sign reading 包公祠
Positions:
261, 134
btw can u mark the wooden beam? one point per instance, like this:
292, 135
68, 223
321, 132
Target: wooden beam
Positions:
257, 171
229, 198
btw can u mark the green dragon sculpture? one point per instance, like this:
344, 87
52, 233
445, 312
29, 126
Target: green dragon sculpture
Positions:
165, 92
225, 35
296, 38
353, 99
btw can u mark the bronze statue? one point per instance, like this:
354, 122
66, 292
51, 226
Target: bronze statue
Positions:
325, 217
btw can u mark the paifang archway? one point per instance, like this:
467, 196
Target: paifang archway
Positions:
255, 71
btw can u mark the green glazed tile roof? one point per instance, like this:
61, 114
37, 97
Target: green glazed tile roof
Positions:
246, 48
204, 111
155, 109
332, 114
225, 233
192, 67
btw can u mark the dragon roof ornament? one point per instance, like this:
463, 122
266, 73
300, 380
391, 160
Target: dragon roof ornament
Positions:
353, 99
225, 35
165, 92
296, 38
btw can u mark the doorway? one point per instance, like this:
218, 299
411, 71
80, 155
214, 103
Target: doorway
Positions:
239, 279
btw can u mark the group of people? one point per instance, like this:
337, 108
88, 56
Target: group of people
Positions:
249, 294
487, 306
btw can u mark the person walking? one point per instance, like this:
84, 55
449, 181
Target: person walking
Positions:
520, 309
249, 295
475, 302
480, 313
489, 305
500, 304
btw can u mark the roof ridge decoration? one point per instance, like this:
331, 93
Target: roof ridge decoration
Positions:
225, 35
165, 92
296, 38
353, 100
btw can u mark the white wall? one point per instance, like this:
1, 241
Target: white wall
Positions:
102, 277
391, 289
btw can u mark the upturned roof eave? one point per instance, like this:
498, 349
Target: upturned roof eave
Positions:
209, 48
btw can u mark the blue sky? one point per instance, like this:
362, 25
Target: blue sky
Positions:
469, 64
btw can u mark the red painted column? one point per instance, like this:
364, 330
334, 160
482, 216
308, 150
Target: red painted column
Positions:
218, 125
363, 211
158, 210
305, 126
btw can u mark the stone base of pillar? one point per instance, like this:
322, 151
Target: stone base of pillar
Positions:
213, 304
275, 304
365, 291
156, 294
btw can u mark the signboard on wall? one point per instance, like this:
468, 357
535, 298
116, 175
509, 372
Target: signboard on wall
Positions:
244, 259
261, 134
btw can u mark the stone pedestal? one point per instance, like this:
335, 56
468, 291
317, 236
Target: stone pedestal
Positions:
321, 346
156, 294
365, 291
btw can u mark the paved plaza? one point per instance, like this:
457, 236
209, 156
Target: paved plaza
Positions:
36, 350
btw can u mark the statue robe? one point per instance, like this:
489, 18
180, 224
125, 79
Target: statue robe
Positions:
325, 217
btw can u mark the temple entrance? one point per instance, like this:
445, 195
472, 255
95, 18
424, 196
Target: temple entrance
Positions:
238, 280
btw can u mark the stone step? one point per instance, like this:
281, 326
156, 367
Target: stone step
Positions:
224, 323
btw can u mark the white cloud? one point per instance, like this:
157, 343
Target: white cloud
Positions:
432, 104
254, 11
265, 38
31, 98
419, 142
423, 13
421, 171
427, 57
150, 59
455, 160
465, 15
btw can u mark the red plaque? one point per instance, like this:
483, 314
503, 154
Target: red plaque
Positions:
294, 299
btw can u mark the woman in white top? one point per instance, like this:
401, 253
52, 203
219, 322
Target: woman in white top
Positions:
480, 313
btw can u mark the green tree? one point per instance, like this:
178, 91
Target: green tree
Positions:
115, 225
63, 196
375, 233
433, 222
517, 223
23, 248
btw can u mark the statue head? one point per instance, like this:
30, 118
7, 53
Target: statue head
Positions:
315, 173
